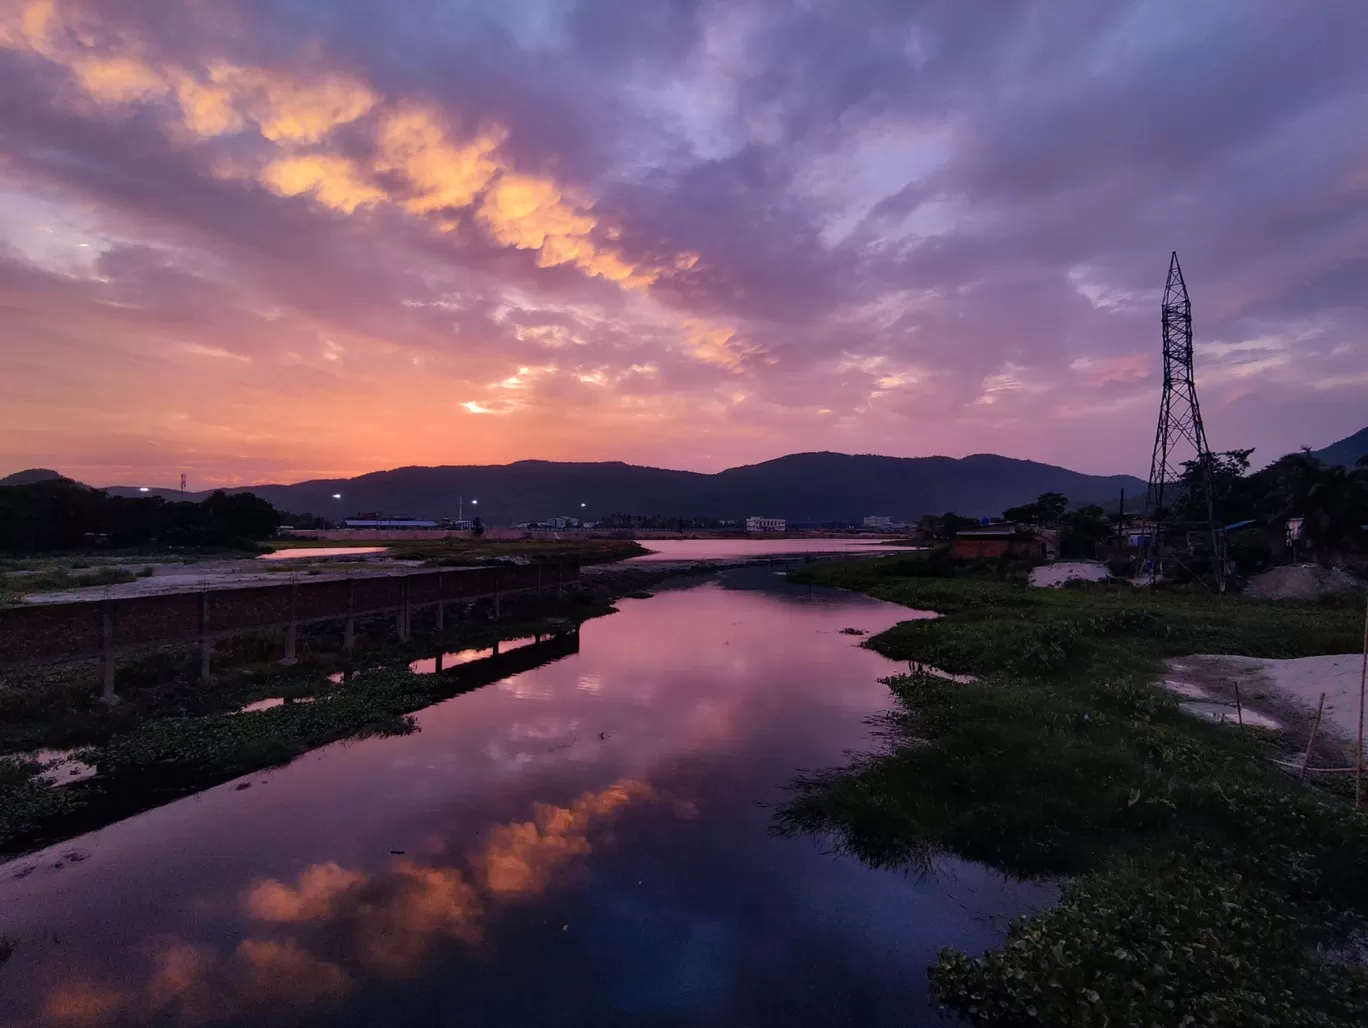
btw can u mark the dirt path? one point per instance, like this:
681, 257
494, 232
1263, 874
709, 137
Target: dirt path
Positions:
1287, 691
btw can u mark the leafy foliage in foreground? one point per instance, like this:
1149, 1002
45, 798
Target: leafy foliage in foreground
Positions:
26, 801
1174, 945
1211, 887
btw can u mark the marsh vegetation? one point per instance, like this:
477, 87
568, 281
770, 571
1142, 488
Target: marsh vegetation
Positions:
1202, 885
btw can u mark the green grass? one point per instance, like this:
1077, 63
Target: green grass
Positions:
1203, 883
15, 585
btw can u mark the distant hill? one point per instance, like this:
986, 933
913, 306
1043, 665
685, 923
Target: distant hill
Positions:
803, 487
1347, 451
30, 476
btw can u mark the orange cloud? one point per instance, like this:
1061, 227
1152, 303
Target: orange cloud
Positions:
315, 896
393, 919
399, 915
84, 1004
333, 180
440, 174
428, 904
715, 344
291, 110
522, 857
282, 972
431, 171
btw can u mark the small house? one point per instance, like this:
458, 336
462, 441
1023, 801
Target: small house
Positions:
989, 542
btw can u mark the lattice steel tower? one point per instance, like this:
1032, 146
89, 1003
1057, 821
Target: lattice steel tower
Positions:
1180, 436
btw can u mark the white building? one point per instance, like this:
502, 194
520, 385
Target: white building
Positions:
766, 525
874, 521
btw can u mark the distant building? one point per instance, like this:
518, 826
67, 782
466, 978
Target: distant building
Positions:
387, 523
990, 542
760, 525
564, 522
873, 521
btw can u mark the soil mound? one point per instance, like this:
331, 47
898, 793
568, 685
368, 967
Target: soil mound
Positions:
1301, 582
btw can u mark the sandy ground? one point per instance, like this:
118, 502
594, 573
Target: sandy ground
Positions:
1288, 690
227, 574
1051, 576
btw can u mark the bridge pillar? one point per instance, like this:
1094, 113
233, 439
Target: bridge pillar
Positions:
206, 644
349, 626
107, 693
292, 630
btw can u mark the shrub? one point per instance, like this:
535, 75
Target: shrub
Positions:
1174, 946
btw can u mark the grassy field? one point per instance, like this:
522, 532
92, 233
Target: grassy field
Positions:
1202, 885
18, 583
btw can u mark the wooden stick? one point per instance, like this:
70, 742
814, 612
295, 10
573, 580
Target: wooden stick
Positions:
1296, 766
1363, 675
1312, 741
1239, 707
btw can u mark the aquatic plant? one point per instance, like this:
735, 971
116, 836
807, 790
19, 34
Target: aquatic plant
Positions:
1206, 887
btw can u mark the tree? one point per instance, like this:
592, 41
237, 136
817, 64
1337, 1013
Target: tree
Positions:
1232, 492
1052, 507
477, 528
1081, 530
1026, 514
951, 523
1331, 501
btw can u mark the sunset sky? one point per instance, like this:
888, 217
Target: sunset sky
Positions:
269, 240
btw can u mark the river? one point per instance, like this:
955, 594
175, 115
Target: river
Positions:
731, 549
584, 843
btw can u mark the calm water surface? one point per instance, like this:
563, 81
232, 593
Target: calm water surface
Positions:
296, 552
582, 844
741, 549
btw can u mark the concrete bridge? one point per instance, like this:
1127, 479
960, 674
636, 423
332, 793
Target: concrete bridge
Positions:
107, 628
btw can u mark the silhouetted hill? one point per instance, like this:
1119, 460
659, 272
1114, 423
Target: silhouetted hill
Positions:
1347, 451
30, 476
803, 487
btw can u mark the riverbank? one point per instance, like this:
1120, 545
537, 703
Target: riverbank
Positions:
1202, 882
71, 763
64, 578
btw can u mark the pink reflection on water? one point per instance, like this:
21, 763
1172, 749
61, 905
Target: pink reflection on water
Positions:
714, 695
743, 549
430, 665
300, 552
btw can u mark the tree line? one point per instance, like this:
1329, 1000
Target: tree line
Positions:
59, 514
1329, 501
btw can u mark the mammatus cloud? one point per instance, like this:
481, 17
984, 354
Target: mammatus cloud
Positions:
333, 925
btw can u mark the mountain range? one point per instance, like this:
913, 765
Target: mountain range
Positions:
802, 487
1347, 451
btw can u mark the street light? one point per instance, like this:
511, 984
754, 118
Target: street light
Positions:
337, 496
142, 489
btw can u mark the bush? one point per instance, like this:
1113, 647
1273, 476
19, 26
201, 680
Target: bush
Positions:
1250, 550
1176, 946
